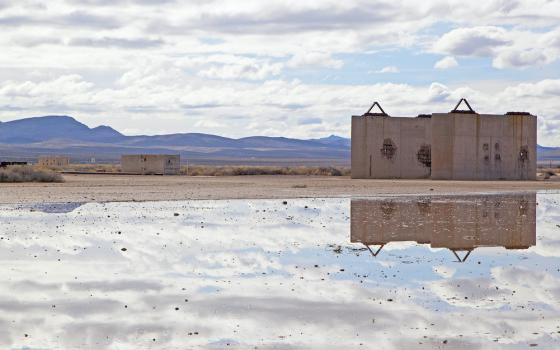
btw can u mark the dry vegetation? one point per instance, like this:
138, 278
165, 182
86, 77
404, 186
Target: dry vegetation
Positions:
205, 170
547, 173
226, 170
94, 168
28, 173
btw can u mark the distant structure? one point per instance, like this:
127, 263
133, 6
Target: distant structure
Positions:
151, 164
459, 145
461, 226
53, 161
7, 164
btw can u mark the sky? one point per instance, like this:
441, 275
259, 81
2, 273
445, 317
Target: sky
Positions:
276, 68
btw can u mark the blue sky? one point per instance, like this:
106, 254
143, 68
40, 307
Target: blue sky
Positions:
288, 68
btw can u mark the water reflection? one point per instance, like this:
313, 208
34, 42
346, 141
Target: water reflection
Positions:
270, 274
460, 224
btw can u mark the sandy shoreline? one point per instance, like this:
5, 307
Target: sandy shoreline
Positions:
107, 188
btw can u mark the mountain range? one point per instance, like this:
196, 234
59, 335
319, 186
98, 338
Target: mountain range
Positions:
26, 139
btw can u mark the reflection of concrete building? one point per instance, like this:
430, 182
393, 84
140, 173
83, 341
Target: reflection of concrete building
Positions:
456, 223
155, 164
53, 161
461, 145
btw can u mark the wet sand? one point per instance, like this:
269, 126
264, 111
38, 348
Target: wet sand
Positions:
115, 188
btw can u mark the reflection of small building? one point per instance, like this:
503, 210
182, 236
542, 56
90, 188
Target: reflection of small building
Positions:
151, 164
457, 223
54, 161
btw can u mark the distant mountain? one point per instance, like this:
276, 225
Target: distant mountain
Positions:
40, 129
28, 138
334, 140
545, 154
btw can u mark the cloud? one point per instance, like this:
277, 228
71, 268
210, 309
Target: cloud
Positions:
388, 69
71, 19
446, 63
309, 121
126, 43
438, 93
314, 59
251, 71
513, 48
520, 58
475, 41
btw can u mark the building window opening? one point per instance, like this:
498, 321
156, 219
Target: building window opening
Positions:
388, 150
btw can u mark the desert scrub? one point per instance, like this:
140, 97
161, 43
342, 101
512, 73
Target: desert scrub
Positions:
28, 173
230, 170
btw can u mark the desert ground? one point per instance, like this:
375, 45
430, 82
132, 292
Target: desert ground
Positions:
121, 188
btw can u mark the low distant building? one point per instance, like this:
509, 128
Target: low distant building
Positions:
151, 164
459, 145
54, 161
7, 164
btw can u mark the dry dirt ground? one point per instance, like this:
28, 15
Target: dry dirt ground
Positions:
109, 188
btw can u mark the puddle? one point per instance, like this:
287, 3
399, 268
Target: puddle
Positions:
389, 273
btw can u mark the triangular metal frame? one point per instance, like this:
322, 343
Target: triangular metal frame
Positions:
454, 251
376, 252
368, 113
469, 110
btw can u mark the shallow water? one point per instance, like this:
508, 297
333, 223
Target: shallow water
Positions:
388, 273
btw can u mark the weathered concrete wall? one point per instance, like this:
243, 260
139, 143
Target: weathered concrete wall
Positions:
477, 221
157, 164
378, 222
447, 146
388, 147
484, 147
487, 221
53, 161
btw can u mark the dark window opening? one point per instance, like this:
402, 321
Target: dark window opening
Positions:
389, 149
424, 155
524, 153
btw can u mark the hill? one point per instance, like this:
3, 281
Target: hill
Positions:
26, 139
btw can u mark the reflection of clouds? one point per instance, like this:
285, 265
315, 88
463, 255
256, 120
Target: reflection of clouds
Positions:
444, 271
254, 274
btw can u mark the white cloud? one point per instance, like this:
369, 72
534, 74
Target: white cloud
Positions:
513, 58
514, 48
475, 41
314, 59
446, 63
388, 69
251, 71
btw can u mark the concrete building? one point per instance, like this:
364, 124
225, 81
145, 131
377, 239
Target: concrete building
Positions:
460, 225
459, 145
151, 164
53, 161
